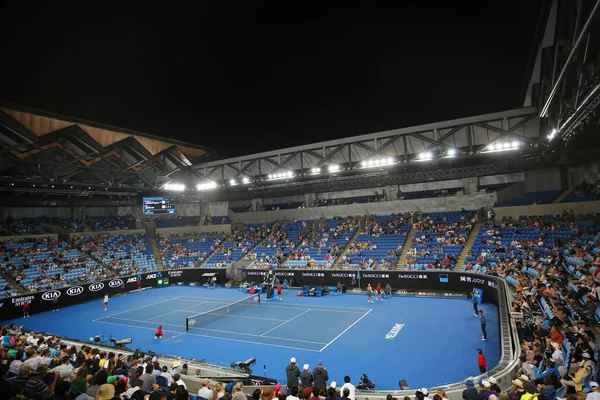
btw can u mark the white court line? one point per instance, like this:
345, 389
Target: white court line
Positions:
212, 330
222, 338
174, 311
283, 323
137, 308
345, 330
314, 309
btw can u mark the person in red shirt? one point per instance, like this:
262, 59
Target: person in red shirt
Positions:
159, 333
481, 362
279, 295
378, 290
26, 308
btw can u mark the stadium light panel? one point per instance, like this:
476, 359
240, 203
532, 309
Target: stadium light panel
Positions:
232, 182
246, 180
174, 187
552, 134
315, 171
206, 185
334, 168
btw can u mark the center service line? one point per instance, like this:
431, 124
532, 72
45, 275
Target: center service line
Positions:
346, 330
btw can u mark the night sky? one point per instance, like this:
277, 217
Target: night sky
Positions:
251, 76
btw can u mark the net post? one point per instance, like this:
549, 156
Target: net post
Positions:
187, 325
258, 298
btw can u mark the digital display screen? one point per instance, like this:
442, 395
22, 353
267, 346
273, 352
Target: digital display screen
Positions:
444, 278
159, 205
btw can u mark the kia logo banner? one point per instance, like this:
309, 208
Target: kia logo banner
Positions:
94, 287
51, 295
115, 283
74, 291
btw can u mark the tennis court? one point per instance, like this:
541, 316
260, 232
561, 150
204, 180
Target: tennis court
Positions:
267, 323
426, 341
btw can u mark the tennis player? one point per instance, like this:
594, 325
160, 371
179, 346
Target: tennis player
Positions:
159, 333
279, 294
105, 302
370, 294
378, 290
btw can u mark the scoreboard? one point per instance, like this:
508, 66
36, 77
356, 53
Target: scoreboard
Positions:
159, 205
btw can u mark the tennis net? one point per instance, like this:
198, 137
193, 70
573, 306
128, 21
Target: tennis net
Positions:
204, 318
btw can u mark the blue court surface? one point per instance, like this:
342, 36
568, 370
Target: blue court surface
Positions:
426, 341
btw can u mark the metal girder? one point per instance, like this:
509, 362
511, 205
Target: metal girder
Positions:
466, 135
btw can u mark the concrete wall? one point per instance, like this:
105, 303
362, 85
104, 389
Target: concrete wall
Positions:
543, 179
417, 187
32, 212
577, 174
351, 193
505, 178
553, 208
216, 208
510, 193
452, 203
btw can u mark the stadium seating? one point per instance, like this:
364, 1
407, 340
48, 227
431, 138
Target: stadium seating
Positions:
379, 245
46, 264
218, 220
187, 251
583, 192
237, 245
533, 198
439, 239
242, 209
119, 223
176, 222
323, 245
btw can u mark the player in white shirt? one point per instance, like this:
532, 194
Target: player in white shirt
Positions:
105, 302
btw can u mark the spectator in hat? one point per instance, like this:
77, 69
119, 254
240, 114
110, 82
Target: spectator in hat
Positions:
205, 391
106, 392
332, 392
486, 391
494, 385
177, 379
292, 373
517, 389
320, 375
470, 393
36, 385
422, 394
351, 388
595, 393
306, 377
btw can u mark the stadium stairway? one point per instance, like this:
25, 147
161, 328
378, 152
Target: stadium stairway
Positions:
150, 228
338, 261
463, 254
407, 244
561, 196
13, 283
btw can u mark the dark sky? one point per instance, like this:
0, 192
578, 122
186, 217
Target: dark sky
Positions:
253, 76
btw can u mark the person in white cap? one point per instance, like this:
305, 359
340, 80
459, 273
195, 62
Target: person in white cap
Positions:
292, 372
306, 377
595, 393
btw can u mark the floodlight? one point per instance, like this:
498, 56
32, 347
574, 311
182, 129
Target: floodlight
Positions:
390, 160
506, 145
232, 182
177, 187
246, 180
334, 168
515, 144
289, 174
364, 163
451, 153
206, 185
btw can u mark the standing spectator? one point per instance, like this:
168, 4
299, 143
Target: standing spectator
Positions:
292, 373
306, 377
483, 322
351, 388
320, 376
279, 295
26, 308
475, 304
481, 361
